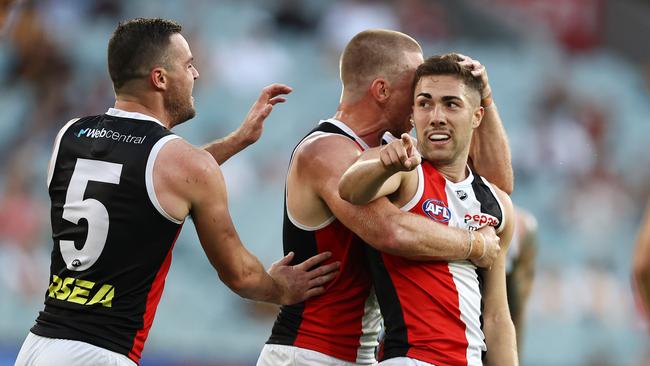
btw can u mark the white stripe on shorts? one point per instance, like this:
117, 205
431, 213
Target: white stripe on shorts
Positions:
43, 351
404, 361
281, 355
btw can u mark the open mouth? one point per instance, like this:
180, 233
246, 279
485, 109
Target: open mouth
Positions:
439, 137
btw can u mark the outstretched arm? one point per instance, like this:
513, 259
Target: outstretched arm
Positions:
376, 172
490, 151
321, 164
642, 262
188, 180
251, 129
497, 324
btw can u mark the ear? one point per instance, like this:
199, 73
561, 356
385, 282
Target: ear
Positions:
380, 90
158, 78
478, 116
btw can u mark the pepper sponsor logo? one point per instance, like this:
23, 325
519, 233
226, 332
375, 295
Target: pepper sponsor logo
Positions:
481, 219
436, 210
81, 291
95, 133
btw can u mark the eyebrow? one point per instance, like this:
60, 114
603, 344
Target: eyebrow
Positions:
446, 98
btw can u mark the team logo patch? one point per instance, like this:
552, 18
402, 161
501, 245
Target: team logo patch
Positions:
461, 194
436, 210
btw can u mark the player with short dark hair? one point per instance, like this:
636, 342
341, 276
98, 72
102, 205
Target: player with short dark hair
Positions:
121, 185
443, 312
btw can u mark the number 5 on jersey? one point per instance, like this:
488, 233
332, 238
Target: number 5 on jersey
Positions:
95, 213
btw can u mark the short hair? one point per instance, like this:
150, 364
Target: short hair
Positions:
138, 45
448, 64
373, 53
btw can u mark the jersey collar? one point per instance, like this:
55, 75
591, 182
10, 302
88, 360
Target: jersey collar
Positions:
133, 115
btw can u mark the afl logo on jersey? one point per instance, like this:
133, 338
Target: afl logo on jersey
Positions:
436, 210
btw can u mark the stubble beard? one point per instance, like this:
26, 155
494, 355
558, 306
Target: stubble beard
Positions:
178, 108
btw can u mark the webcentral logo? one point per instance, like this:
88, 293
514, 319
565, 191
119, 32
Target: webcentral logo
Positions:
95, 133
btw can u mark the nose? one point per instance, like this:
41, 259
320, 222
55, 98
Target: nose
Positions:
437, 116
195, 72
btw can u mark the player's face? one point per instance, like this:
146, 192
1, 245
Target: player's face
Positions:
445, 112
402, 96
179, 102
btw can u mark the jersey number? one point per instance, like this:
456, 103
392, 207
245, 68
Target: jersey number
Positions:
95, 213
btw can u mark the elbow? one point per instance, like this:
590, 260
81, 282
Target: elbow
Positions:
498, 320
239, 283
387, 240
347, 193
507, 184
508, 188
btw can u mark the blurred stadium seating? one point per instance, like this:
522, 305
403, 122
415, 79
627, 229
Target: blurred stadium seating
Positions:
576, 112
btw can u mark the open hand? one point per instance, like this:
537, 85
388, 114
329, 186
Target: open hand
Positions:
478, 70
252, 127
304, 280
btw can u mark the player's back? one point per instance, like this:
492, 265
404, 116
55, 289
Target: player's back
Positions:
112, 240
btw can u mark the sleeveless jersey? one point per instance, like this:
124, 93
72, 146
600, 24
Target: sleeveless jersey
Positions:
112, 239
432, 310
344, 322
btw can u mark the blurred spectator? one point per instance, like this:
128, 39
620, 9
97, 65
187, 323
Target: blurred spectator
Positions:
425, 20
293, 18
564, 146
346, 18
251, 62
43, 68
22, 222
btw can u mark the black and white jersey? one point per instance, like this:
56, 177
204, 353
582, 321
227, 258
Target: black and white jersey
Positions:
112, 239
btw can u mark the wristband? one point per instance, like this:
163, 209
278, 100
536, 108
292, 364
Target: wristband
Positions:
470, 240
484, 247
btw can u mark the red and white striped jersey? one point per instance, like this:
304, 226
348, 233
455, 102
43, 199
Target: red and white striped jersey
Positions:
432, 310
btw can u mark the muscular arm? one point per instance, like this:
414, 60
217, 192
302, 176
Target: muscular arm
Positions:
379, 172
497, 324
321, 164
489, 152
642, 261
251, 129
188, 181
368, 179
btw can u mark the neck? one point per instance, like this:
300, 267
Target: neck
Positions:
142, 105
455, 171
365, 118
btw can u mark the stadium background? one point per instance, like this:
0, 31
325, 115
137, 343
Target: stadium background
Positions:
571, 79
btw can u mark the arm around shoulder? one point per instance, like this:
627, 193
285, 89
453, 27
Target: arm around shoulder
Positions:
322, 163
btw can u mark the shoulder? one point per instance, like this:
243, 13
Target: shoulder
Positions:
180, 155
323, 150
